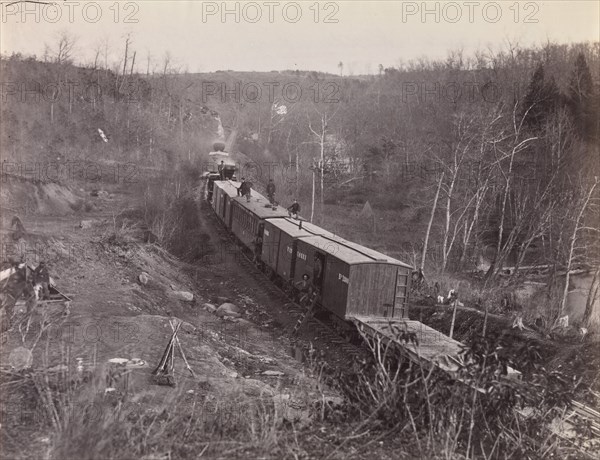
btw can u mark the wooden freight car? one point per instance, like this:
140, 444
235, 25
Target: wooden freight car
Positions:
279, 243
223, 194
248, 217
353, 280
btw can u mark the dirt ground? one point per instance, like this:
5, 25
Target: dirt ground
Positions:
113, 315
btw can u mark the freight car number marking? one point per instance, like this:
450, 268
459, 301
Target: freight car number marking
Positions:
343, 278
301, 256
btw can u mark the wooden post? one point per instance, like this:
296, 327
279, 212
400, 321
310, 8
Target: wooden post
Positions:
485, 319
453, 317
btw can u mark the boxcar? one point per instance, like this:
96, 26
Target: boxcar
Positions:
279, 243
353, 280
248, 218
223, 194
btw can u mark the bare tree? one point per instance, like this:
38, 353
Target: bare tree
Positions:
125, 60
148, 60
453, 168
483, 176
577, 227
433, 208
591, 298
515, 145
65, 47
320, 134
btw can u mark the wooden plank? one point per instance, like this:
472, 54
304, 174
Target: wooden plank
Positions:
432, 347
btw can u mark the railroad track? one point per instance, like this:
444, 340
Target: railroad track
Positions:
319, 328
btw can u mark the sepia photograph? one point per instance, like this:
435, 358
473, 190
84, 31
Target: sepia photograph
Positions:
355, 229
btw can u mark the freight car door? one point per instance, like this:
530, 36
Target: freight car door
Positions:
372, 287
286, 256
271, 237
227, 218
335, 286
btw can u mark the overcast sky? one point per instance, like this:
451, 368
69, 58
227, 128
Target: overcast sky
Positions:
306, 35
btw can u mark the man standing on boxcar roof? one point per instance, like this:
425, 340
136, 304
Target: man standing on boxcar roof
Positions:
222, 170
248, 193
271, 191
242, 187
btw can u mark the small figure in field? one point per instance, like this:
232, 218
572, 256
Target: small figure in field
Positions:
222, 170
19, 229
41, 277
271, 191
452, 296
418, 278
294, 209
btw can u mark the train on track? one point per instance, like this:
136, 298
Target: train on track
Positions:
360, 288
351, 280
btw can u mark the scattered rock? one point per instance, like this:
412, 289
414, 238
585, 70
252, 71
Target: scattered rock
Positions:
20, 358
86, 224
273, 373
256, 388
209, 307
172, 286
183, 295
292, 409
143, 278
228, 309
242, 321
331, 401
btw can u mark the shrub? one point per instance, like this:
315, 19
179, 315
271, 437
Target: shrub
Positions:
480, 412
